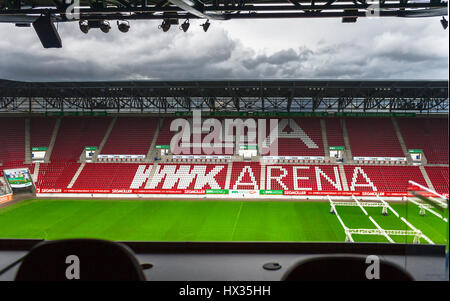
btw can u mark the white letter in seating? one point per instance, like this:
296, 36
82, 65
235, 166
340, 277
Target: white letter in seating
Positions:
297, 178
359, 170
278, 178
337, 184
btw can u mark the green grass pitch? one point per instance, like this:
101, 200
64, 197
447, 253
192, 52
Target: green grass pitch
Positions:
138, 220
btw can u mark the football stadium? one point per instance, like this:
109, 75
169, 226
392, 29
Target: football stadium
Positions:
225, 161
110, 173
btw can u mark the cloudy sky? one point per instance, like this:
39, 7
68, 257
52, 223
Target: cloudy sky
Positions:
387, 48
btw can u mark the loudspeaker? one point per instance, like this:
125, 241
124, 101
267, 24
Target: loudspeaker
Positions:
47, 33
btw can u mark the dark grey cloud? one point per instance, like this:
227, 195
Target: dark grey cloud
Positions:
279, 58
406, 52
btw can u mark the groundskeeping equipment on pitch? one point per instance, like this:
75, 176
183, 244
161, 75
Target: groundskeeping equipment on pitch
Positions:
427, 200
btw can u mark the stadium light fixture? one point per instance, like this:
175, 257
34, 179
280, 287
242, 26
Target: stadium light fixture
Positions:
123, 26
185, 26
205, 25
444, 23
165, 26
84, 26
104, 26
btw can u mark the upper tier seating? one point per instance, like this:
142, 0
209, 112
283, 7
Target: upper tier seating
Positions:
56, 175
428, 134
165, 137
12, 139
75, 133
439, 177
41, 131
373, 137
299, 137
303, 177
131, 136
335, 136
383, 178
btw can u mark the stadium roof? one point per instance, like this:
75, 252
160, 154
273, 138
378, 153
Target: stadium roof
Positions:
423, 96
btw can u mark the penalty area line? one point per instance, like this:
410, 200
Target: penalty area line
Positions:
382, 230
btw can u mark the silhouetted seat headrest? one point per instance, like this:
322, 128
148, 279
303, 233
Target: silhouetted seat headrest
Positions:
80, 259
345, 268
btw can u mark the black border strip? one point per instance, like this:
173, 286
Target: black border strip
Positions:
256, 247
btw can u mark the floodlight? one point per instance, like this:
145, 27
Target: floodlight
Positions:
185, 26
205, 25
104, 26
165, 26
444, 23
84, 26
123, 26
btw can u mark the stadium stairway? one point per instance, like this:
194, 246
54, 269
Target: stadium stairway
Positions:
105, 138
343, 177
439, 176
48, 154
150, 176
228, 177
348, 149
36, 172
401, 140
426, 177
151, 154
326, 149
76, 175
262, 181
428, 134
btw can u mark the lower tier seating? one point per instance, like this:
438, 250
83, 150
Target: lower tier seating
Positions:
56, 175
439, 177
243, 176
382, 178
106, 176
303, 177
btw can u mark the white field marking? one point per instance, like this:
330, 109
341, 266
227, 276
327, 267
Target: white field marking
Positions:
404, 220
381, 229
340, 220
429, 210
427, 189
360, 206
378, 232
353, 204
349, 235
415, 229
236, 221
389, 206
